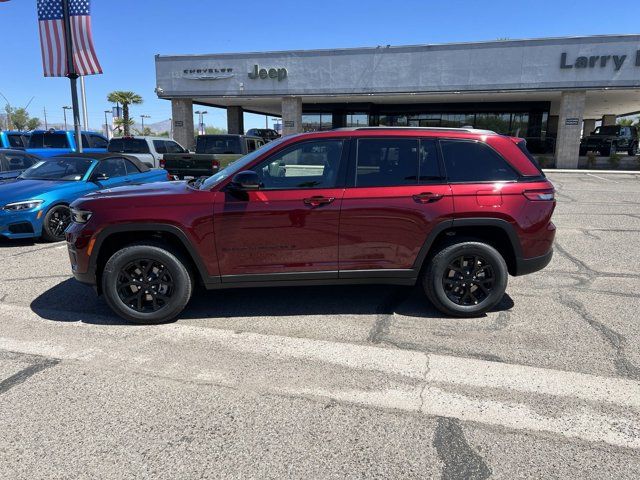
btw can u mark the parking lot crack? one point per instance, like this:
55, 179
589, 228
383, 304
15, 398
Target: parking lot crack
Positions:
26, 373
459, 460
616, 340
384, 314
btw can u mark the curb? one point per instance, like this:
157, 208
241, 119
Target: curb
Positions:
576, 170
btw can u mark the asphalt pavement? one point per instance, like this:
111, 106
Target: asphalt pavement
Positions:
336, 382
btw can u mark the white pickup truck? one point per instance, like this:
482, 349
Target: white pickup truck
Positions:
148, 150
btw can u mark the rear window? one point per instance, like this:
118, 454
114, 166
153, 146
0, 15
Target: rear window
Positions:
128, 145
16, 140
469, 161
218, 145
48, 140
523, 148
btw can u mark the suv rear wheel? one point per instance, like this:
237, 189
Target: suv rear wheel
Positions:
146, 283
466, 279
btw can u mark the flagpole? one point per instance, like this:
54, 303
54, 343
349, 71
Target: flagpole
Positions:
73, 76
83, 97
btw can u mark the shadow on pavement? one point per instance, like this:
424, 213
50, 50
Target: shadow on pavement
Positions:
70, 301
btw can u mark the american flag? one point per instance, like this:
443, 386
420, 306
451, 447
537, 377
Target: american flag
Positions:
52, 38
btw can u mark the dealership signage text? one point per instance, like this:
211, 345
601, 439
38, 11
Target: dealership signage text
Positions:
594, 61
263, 73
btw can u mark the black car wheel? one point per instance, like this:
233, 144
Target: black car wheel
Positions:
606, 151
147, 283
633, 150
55, 223
466, 279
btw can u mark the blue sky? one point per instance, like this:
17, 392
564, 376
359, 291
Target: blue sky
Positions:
128, 33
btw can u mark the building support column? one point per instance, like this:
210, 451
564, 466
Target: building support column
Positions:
291, 115
182, 118
609, 120
588, 126
235, 120
569, 128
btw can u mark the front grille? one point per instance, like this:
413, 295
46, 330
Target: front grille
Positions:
22, 227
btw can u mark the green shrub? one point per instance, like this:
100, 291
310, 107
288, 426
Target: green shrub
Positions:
614, 160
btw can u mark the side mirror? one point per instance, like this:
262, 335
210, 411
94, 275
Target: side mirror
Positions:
246, 180
99, 177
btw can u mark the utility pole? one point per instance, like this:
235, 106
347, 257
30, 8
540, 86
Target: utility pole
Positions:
64, 112
8, 109
46, 126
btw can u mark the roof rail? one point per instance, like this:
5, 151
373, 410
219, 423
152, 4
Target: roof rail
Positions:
438, 129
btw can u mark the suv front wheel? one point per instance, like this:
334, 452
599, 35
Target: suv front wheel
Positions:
146, 283
466, 279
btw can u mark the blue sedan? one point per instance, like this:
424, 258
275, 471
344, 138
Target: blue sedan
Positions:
36, 203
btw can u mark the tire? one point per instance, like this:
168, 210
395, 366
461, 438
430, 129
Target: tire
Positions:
606, 151
633, 150
583, 152
168, 280
55, 223
439, 272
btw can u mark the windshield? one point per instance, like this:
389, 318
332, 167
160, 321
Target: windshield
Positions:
48, 140
238, 165
128, 145
62, 169
607, 130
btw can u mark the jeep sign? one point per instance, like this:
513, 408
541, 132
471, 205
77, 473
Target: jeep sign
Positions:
263, 73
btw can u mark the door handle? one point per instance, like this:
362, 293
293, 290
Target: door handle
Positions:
318, 201
427, 197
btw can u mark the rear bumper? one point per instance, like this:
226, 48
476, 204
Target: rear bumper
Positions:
525, 266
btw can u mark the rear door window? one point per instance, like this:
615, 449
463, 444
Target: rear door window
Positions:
468, 161
385, 162
128, 145
18, 161
48, 140
131, 168
160, 146
98, 142
16, 140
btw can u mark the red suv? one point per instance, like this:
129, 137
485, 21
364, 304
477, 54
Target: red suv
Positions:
457, 210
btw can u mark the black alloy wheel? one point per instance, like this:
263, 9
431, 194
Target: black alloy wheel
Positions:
55, 223
465, 279
147, 282
468, 280
145, 285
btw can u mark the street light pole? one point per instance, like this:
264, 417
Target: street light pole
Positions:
201, 114
106, 123
143, 117
64, 113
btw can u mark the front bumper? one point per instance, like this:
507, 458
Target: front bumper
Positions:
25, 224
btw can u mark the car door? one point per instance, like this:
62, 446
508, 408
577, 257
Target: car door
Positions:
111, 172
397, 194
290, 225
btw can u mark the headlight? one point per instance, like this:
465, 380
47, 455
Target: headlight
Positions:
26, 205
80, 216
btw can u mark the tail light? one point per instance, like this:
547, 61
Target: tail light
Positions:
215, 165
162, 163
545, 194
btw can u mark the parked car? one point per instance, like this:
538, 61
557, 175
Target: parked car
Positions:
213, 153
13, 139
609, 139
36, 203
149, 150
267, 134
48, 143
456, 210
14, 162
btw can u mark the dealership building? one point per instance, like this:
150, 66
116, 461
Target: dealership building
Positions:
545, 90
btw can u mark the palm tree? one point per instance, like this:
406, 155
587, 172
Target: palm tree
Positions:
125, 98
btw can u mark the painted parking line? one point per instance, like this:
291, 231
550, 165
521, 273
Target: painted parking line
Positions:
602, 178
